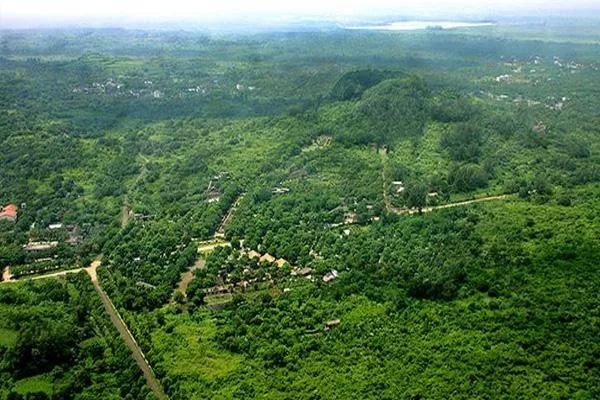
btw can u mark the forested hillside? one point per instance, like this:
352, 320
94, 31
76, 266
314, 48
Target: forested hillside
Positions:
331, 215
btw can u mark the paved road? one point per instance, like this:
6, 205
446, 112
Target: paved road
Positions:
126, 335
115, 318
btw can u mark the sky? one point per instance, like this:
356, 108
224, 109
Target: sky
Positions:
58, 11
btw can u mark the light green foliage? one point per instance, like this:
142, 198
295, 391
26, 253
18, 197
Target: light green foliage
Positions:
286, 144
34, 384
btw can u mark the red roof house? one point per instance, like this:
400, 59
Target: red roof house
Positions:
8, 213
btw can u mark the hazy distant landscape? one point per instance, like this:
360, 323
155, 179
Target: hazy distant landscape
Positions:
419, 25
301, 207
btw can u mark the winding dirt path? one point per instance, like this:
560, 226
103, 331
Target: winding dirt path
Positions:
408, 211
386, 200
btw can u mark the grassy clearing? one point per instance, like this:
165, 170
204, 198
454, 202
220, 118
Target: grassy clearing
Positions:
218, 299
38, 383
189, 350
8, 337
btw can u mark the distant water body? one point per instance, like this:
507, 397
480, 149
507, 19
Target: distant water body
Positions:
419, 25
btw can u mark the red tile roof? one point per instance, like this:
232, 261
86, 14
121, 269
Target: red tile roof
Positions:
10, 211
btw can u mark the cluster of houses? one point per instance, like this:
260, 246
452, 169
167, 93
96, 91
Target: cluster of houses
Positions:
34, 246
8, 213
118, 88
306, 272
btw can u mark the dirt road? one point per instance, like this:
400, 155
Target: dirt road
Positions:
115, 318
386, 200
229, 215
126, 335
187, 276
125, 210
408, 211
8, 278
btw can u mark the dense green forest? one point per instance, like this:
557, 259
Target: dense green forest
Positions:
58, 343
318, 215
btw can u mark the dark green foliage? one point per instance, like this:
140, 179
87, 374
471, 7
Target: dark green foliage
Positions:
463, 142
489, 300
395, 108
415, 195
62, 331
467, 177
450, 106
353, 84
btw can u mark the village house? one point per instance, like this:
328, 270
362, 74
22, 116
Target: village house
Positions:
332, 323
253, 254
267, 257
330, 276
280, 190
8, 213
39, 246
398, 186
306, 271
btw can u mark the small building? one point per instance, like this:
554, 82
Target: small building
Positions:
55, 226
280, 190
332, 323
280, 262
398, 186
349, 218
305, 271
330, 276
39, 246
253, 254
267, 257
145, 285
8, 213
504, 78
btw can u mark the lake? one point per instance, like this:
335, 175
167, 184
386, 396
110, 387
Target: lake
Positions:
419, 25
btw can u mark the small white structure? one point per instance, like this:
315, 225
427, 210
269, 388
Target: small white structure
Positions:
330, 276
38, 246
504, 78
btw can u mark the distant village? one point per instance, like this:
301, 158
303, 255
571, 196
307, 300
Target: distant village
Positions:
131, 87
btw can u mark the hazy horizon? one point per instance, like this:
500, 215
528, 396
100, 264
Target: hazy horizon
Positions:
19, 14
